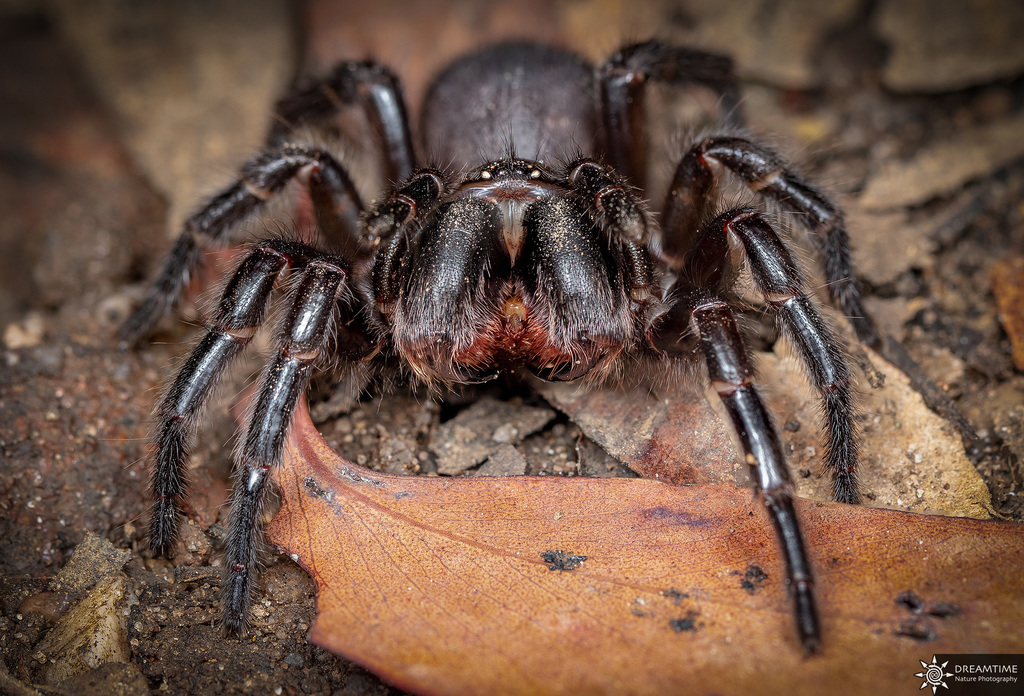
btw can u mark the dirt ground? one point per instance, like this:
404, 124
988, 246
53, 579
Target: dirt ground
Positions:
117, 121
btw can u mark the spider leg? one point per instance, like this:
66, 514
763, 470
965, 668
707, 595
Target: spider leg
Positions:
766, 172
731, 374
238, 316
262, 178
379, 93
622, 80
614, 206
384, 225
777, 276
305, 332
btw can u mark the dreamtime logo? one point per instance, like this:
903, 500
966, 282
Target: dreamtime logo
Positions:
934, 675
977, 675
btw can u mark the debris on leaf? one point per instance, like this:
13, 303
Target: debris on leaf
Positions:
560, 560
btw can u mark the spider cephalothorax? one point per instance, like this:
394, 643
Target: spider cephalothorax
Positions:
507, 259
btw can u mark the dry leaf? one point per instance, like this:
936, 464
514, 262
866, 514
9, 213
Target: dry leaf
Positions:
568, 585
910, 458
1008, 287
675, 436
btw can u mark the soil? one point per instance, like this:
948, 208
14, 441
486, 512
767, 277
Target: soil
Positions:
87, 205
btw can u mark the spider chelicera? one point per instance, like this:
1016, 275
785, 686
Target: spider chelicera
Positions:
510, 258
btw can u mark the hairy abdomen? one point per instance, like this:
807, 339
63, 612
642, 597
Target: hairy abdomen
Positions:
537, 99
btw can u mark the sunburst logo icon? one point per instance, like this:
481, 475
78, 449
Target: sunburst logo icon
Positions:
934, 675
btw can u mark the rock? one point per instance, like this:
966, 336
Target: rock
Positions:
92, 633
49, 605
481, 429
944, 45
192, 547
287, 583
504, 461
94, 559
397, 454
25, 333
892, 314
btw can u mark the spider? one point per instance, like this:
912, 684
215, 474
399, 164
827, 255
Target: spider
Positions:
513, 257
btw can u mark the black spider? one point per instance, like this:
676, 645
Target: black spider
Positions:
498, 262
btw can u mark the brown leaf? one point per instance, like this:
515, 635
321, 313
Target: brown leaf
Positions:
569, 585
1008, 288
944, 167
675, 436
910, 458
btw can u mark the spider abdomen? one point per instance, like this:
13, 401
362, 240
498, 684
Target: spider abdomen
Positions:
535, 98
